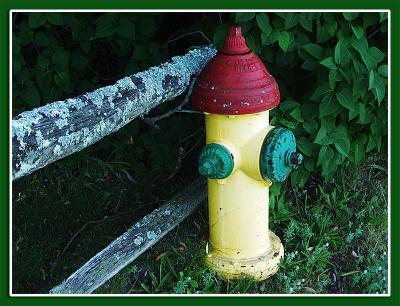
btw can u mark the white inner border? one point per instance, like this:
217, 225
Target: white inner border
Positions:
196, 295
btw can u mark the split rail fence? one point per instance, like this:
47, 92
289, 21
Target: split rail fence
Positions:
51, 132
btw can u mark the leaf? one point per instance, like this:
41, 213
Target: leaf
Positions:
322, 137
55, 18
291, 20
16, 65
305, 23
242, 17
362, 112
79, 62
304, 145
309, 164
63, 80
328, 105
377, 84
350, 15
325, 154
311, 127
361, 45
283, 40
310, 65
376, 126
322, 33
147, 26
359, 151
126, 29
194, 283
315, 50
380, 91
347, 75
345, 98
376, 54
219, 37
331, 28
60, 58
369, 19
43, 62
320, 92
288, 105
358, 31
41, 39
263, 23
371, 143
331, 162
298, 178
309, 111
287, 123
30, 95
104, 26
342, 55
372, 81
296, 114
341, 141
382, 16
36, 20
383, 70
270, 39
328, 62
254, 42
140, 53
332, 78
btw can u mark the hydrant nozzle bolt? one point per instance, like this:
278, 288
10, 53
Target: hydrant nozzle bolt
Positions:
215, 161
296, 159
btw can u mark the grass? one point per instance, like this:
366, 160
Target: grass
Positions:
334, 233
335, 238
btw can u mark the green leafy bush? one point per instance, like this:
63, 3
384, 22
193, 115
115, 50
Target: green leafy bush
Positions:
332, 72
331, 69
56, 55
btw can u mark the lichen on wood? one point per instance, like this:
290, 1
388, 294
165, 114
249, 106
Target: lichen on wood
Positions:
51, 132
136, 240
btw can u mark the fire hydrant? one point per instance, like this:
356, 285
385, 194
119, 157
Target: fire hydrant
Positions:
243, 156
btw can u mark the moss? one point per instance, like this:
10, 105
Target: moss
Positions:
54, 125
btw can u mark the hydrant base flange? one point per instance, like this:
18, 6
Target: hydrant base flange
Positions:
258, 268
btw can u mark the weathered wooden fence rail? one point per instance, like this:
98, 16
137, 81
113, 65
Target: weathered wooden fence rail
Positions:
133, 242
46, 134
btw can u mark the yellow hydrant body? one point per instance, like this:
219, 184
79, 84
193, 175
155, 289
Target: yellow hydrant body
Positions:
243, 156
240, 242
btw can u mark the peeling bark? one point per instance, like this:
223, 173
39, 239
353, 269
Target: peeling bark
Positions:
136, 240
46, 134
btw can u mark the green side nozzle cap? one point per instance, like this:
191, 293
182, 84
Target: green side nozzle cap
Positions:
208, 167
278, 155
215, 161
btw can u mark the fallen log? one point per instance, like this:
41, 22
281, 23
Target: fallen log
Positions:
136, 240
51, 132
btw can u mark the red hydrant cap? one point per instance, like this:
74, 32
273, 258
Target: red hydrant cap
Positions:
235, 42
235, 81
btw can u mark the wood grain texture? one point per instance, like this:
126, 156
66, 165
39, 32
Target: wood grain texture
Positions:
136, 240
51, 132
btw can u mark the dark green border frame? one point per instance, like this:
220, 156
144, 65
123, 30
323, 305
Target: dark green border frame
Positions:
7, 5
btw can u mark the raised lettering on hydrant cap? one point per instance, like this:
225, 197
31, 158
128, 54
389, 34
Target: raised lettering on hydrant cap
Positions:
243, 156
